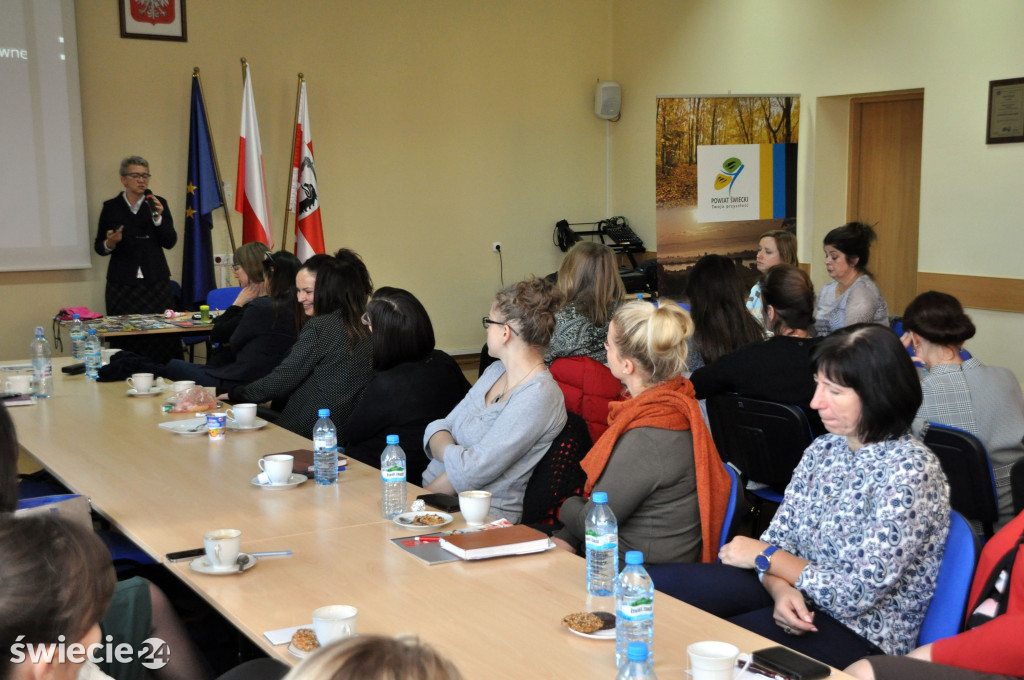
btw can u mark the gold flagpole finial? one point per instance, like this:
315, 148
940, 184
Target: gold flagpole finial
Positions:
195, 71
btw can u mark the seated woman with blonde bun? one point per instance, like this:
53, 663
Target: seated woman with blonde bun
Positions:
376, 657
501, 429
657, 462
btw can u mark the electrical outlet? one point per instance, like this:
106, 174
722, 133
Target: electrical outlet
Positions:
496, 247
223, 259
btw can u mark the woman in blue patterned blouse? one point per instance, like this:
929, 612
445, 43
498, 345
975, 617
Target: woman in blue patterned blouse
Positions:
848, 564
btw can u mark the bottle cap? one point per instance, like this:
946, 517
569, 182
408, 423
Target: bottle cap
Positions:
39, 330
634, 557
75, 317
392, 439
324, 413
92, 331
636, 651
599, 497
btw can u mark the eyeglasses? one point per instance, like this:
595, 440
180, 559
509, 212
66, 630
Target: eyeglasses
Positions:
139, 175
235, 267
487, 322
268, 260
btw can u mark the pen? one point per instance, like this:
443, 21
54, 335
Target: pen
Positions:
428, 539
757, 670
272, 553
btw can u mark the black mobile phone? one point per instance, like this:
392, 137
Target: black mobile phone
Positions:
183, 555
790, 664
74, 369
441, 501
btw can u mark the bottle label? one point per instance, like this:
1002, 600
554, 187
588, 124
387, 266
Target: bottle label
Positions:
640, 609
395, 473
597, 541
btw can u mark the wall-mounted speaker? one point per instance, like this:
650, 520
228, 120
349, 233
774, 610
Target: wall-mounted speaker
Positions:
607, 100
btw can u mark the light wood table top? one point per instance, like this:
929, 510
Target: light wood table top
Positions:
494, 618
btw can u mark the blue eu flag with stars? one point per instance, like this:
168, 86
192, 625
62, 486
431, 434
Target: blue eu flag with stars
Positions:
202, 197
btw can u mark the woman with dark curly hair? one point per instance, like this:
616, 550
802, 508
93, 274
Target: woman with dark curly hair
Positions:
499, 432
852, 297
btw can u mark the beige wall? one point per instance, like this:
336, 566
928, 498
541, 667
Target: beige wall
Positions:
438, 127
971, 201
442, 126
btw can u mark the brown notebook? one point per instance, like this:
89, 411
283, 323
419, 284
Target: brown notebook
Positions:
515, 540
303, 463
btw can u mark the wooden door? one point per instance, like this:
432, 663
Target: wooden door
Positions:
885, 187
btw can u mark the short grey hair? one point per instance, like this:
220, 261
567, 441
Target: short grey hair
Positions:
133, 160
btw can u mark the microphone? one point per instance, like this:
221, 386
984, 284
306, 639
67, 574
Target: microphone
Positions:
152, 204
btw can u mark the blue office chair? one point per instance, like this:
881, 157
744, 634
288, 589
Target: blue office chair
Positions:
221, 298
945, 614
730, 512
972, 488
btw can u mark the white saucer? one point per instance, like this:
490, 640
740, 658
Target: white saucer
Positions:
298, 653
153, 391
233, 425
420, 527
294, 480
186, 427
202, 565
608, 634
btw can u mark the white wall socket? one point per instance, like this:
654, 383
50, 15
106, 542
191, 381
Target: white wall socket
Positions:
496, 247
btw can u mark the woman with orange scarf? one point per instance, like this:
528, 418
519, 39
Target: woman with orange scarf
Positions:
657, 462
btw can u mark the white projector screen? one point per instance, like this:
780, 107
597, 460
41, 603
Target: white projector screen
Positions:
44, 223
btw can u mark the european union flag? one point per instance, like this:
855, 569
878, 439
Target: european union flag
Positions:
201, 199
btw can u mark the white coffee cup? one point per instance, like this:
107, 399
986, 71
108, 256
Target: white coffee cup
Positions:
474, 506
182, 385
713, 660
244, 415
278, 467
142, 382
18, 384
334, 622
222, 547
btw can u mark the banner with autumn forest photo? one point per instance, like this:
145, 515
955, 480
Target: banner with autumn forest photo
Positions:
725, 173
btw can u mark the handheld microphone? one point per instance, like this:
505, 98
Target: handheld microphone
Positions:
152, 204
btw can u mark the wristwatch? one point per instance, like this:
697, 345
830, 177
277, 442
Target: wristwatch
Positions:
763, 562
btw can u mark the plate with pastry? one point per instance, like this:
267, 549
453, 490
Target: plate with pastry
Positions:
423, 520
593, 625
303, 643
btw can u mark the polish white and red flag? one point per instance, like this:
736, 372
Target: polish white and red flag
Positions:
305, 202
251, 197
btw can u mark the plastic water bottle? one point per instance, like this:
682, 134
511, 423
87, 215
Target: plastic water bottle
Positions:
93, 360
637, 667
42, 364
634, 608
325, 449
602, 537
392, 479
77, 330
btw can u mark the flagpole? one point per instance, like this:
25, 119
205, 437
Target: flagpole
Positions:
291, 166
216, 163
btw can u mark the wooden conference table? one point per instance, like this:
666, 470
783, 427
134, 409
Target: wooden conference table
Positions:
494, 618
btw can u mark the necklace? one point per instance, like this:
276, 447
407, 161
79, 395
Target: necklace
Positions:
518, 383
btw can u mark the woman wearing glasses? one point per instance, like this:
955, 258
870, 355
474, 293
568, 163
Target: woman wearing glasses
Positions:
248, 271
134, 230
499, 432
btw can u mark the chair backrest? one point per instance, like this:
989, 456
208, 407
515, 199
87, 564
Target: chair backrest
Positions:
221, 298
945, 615
558, 475
764, 439
972, 491
588, 387
730, 512
1017, 486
